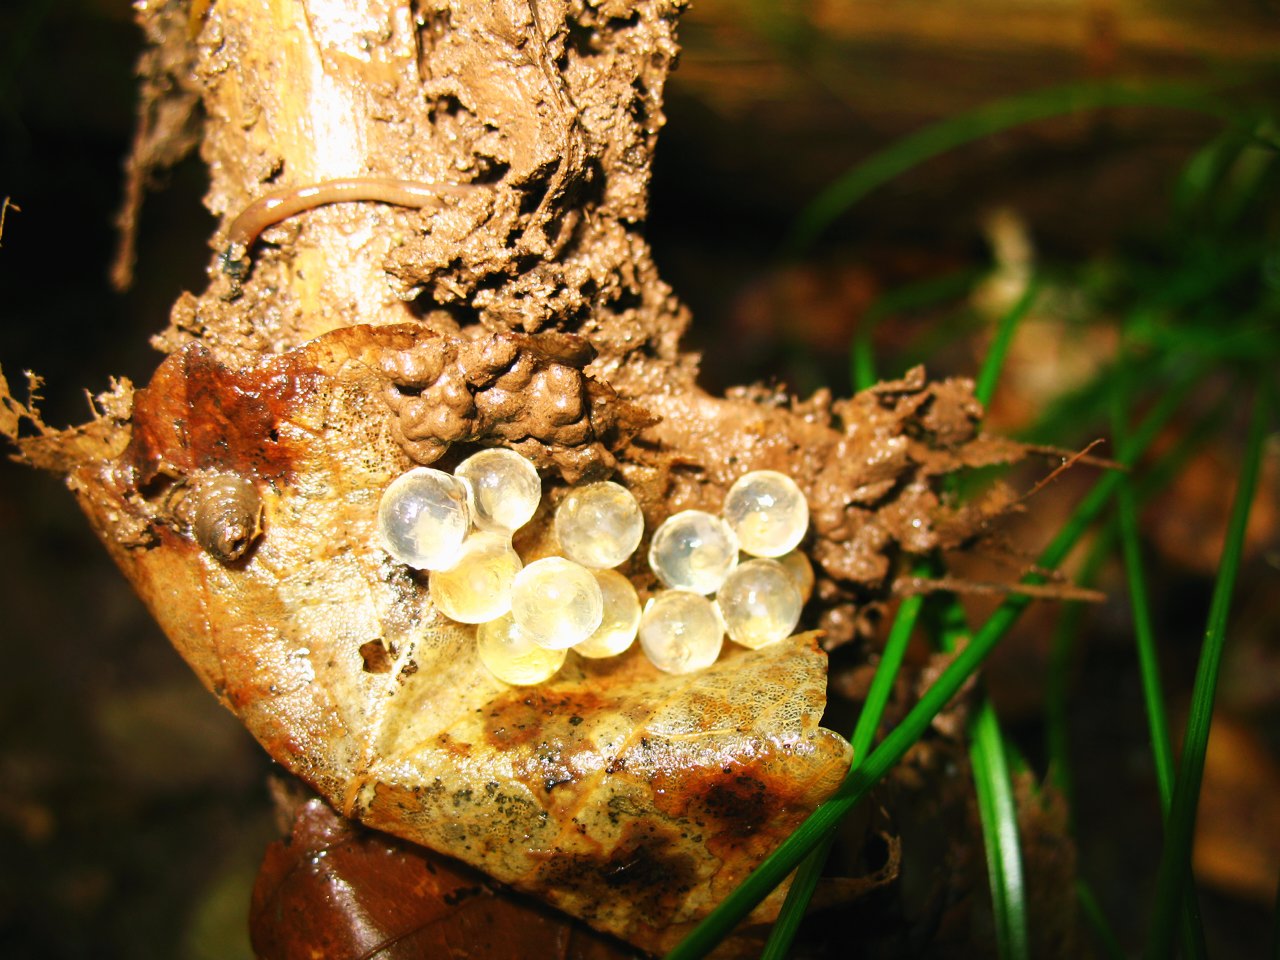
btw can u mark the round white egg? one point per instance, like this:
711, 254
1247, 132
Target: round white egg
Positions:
556, 602
768, 512
694, 551
599, 525
477, 587
681, 632
505, 489
512, 657
423, 518
760, 603
621, 618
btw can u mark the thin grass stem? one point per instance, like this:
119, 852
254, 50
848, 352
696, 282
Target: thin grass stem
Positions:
895, 649
1175, 862
999, 814
997, 809
864, 732
1144, 631
993, 362
1193, 939
862, 367
803, 884
1157, 477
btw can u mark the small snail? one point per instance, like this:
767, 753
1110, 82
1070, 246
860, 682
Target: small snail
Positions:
226, 515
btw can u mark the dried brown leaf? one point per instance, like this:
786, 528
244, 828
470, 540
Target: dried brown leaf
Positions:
337, 891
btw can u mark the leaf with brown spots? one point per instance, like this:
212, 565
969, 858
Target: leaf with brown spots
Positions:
627, 797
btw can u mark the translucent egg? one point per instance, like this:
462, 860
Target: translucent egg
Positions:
557, 602
621, 617
768, 512
505, 489
512, 657
681, 632
760, 603
801, 571
693, 551
599, 525
477, 588
423, 518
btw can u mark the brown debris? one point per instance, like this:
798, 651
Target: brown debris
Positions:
525, 391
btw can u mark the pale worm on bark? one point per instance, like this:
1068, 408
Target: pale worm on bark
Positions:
278, 205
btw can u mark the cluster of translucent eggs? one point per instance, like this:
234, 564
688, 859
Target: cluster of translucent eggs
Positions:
459, 526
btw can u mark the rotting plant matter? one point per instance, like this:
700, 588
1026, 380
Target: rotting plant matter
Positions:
523, 311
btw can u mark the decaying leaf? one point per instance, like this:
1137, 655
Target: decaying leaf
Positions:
336, 891
630, 798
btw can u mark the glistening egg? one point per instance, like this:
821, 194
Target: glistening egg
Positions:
477, 586
681, 632
768, 512
423, 518
556, 602
505, 489
760, 603
620, 619
512, 657
599, 525
693, 551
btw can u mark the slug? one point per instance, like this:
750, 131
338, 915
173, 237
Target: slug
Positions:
227, 515
278, 205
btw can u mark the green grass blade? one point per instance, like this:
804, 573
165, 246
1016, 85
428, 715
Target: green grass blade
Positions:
938, 138
993, 362
997, 809
895, 649
1158, 476
1096, 919
862, 361
1175, 861
797, 901
999, 814
1193, 939
1144, 631
787, 856
864, 732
